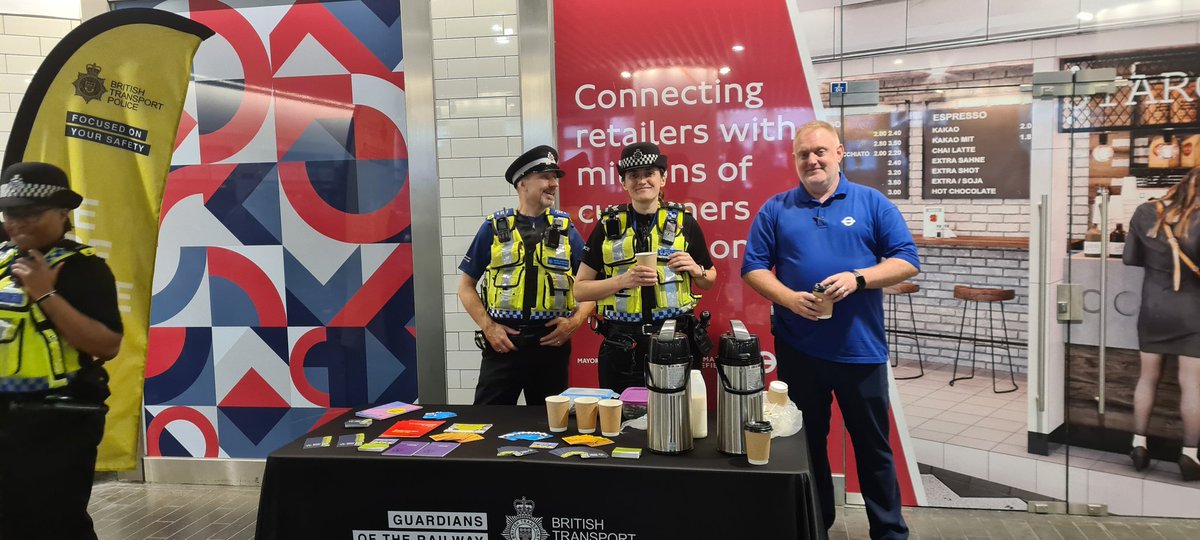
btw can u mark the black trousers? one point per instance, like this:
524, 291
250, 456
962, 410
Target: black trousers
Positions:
47, 466
538, 370
862, 396
621, 366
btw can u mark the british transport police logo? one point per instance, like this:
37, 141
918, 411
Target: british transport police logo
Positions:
524, 526
89, 85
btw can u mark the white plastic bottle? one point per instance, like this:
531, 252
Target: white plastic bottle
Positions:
698, 406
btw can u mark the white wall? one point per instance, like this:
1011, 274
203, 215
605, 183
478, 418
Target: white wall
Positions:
24, 42
477, 93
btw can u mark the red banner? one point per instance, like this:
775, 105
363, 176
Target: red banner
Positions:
719, 87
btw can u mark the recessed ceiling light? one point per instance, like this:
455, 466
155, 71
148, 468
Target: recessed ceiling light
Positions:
739, 48
724, 70
626, 74
1085, 16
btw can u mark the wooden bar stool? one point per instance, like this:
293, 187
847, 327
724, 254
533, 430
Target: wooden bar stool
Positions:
907, 290
991, 297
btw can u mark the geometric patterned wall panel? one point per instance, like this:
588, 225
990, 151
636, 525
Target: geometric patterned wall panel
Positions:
283, 282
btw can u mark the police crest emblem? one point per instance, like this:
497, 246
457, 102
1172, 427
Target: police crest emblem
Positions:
524, 526
89, 85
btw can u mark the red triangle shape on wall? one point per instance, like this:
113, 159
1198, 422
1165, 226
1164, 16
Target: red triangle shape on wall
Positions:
253, 391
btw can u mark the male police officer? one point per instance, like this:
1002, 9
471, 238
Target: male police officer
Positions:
526, 310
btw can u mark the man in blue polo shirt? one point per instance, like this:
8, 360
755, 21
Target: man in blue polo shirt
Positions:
853, 242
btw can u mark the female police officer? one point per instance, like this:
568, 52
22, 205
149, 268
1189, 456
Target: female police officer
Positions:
58, 322
635, 300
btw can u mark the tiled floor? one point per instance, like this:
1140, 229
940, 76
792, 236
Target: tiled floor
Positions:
969, 429
968, 413
128, 511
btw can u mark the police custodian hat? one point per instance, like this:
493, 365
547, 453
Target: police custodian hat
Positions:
31, 183
641, 155
537, 159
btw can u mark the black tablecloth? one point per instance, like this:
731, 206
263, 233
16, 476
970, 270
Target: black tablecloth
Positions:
342, 493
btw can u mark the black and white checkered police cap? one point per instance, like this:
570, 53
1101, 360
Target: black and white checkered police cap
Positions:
641, 155
31, 183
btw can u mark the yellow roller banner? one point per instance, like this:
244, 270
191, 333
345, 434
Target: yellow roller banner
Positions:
105, 106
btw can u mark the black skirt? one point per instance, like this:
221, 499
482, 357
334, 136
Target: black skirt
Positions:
1169, 320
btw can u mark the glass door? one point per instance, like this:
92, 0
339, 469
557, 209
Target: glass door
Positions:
1129, 333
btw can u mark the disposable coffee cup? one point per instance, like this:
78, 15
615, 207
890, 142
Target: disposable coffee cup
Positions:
758, 442
610, 417
777, 393
825, 306
586, 409
557, 410
647, 258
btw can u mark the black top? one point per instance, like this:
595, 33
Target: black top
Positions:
697, 247
1169, 320
88, 284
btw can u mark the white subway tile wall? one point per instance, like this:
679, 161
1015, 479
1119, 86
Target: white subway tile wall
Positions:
24, 42
477, 93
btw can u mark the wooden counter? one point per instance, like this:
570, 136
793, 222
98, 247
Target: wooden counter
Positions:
994, 242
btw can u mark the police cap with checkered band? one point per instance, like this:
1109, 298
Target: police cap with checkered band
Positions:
32, 184
641, 155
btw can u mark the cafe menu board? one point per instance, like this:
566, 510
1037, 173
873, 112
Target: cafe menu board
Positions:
877, 152
977, 152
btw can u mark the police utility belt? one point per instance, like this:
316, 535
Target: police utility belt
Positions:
629, 336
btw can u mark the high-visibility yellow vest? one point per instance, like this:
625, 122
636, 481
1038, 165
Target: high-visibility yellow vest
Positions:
529, 281
32, 356
673, 293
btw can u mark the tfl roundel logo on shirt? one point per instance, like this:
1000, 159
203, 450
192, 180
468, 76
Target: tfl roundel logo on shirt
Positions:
848, 221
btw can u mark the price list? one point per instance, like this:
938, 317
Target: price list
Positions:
977, 152
877, 152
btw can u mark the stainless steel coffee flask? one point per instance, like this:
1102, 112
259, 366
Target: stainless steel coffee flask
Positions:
669, 427
740, 398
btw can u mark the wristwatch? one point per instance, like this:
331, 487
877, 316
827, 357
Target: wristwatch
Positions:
859, 280
703, 273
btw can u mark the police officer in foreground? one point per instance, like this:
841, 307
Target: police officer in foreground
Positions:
59, 321
636, 300
526, 259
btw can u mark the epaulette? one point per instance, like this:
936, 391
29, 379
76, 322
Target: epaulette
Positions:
615, 209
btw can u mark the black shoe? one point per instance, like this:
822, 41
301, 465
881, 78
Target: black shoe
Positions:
1189, 469
1140, 457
